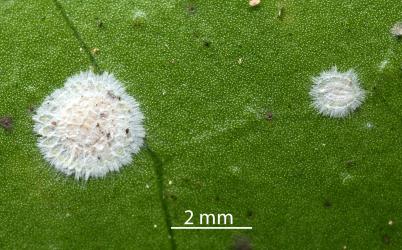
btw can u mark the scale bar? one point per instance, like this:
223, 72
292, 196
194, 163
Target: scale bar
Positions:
211, 228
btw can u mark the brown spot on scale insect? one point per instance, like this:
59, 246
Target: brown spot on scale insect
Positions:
111, 94
103, 115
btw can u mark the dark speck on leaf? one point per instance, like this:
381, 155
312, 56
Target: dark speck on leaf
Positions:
99, 23
127, 130
386, 239
327, 204
241, 243
250, 214
191, 9
269, 116
171, 196
350, 163
6, 122
31, 108
206, 43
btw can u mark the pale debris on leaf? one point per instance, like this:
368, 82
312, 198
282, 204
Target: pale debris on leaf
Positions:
254, 3
95, 51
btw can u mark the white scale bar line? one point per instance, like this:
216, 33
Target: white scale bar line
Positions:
211, 228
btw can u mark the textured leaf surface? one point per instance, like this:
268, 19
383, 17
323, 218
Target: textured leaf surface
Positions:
207, 73
40, 208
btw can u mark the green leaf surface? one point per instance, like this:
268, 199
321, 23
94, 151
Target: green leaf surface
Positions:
39, 207
206, 74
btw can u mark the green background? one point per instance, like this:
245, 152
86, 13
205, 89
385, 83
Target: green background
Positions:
302, 181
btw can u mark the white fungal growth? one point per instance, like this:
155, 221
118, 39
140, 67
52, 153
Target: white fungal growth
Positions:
336, 94
89, 127
396, 30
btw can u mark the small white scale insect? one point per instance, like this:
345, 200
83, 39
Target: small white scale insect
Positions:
336, 94
89, 127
